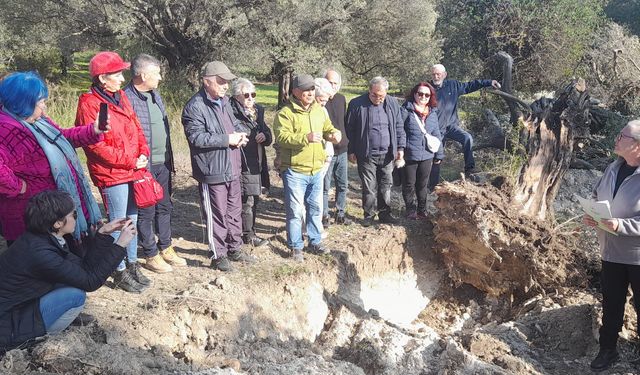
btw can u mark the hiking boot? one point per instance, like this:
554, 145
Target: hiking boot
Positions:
422, 216
325, 221
221, 264
318, 249
135, 270
604, 359
297, 255
125, 281
388, 219
255, 241
169, 255
368, 221
83, 319
240, 256
412, 215
157, 264
342, 220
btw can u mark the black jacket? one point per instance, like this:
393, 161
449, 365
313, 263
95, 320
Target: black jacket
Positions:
252, 162
337, 108
141, 108
211, 156
358, 125
32, 266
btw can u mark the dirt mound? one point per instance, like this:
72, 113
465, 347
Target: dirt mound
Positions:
485, 242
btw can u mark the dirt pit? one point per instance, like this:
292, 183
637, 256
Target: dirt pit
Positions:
381, 303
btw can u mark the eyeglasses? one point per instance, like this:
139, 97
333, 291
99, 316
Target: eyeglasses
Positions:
423, 94
74, 213
249, 94
622, 135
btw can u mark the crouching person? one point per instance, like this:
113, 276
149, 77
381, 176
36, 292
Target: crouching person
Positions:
42, 283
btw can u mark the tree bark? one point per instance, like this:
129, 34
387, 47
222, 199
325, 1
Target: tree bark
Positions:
551, 132
285, 76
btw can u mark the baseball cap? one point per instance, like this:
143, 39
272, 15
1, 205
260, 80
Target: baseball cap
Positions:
217, 68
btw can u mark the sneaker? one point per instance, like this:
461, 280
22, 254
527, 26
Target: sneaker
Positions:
318, 249
604, 359
412, 215
221, 264
255, 241
83, 319
125, 281
388, 219
135, 270
342, 220
169, 255
325, 221
157, 264
297, 255
240, 256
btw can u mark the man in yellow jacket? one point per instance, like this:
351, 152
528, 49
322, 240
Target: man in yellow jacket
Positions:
301, 127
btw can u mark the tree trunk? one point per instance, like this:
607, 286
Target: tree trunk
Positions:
285, 76
551, 134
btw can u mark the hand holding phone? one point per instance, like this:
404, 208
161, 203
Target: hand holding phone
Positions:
102, 117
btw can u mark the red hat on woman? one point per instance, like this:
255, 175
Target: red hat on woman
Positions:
106, 62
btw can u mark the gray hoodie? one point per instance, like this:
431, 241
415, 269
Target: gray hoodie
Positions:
625, 247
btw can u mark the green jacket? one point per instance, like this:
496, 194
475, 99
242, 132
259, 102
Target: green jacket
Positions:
291, 126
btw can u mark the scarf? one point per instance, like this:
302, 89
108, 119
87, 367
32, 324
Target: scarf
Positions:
60, 153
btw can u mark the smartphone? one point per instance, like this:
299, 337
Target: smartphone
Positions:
102, 116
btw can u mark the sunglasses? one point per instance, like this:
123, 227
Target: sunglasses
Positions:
423, 94
249, 94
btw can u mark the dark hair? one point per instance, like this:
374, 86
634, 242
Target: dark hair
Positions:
21, 91
45, 208
433, 102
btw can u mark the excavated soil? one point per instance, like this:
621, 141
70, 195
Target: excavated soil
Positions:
383, 302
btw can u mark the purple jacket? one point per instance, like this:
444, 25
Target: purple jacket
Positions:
22, 158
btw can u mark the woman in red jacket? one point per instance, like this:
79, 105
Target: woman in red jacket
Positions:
112, 162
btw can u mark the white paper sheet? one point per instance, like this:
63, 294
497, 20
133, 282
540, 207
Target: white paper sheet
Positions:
597, 210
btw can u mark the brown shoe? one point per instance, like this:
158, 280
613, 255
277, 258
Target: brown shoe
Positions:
170, 256
157, 264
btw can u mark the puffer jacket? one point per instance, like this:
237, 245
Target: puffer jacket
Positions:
112, 161
416, 148
22, 158
253, 160
212, 159
141, 107
291, 126
36, 264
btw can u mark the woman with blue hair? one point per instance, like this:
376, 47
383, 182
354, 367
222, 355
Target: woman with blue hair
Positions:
37, 155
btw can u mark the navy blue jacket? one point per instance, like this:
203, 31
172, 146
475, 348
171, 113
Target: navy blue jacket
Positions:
448, 95
32, 266
357, 125
416, 148
141, 108
211, 156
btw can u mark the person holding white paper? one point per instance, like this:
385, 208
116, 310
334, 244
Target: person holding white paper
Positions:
620, 250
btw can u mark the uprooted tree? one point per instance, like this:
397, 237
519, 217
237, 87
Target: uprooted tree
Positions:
500, 238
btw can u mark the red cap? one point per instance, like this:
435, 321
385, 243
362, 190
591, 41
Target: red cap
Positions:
106, 62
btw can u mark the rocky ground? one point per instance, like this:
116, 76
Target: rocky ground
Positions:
381, 303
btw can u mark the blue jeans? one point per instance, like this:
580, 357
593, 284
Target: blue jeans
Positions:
118, 201
60, 307
337, 169
302, 192
457, 134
